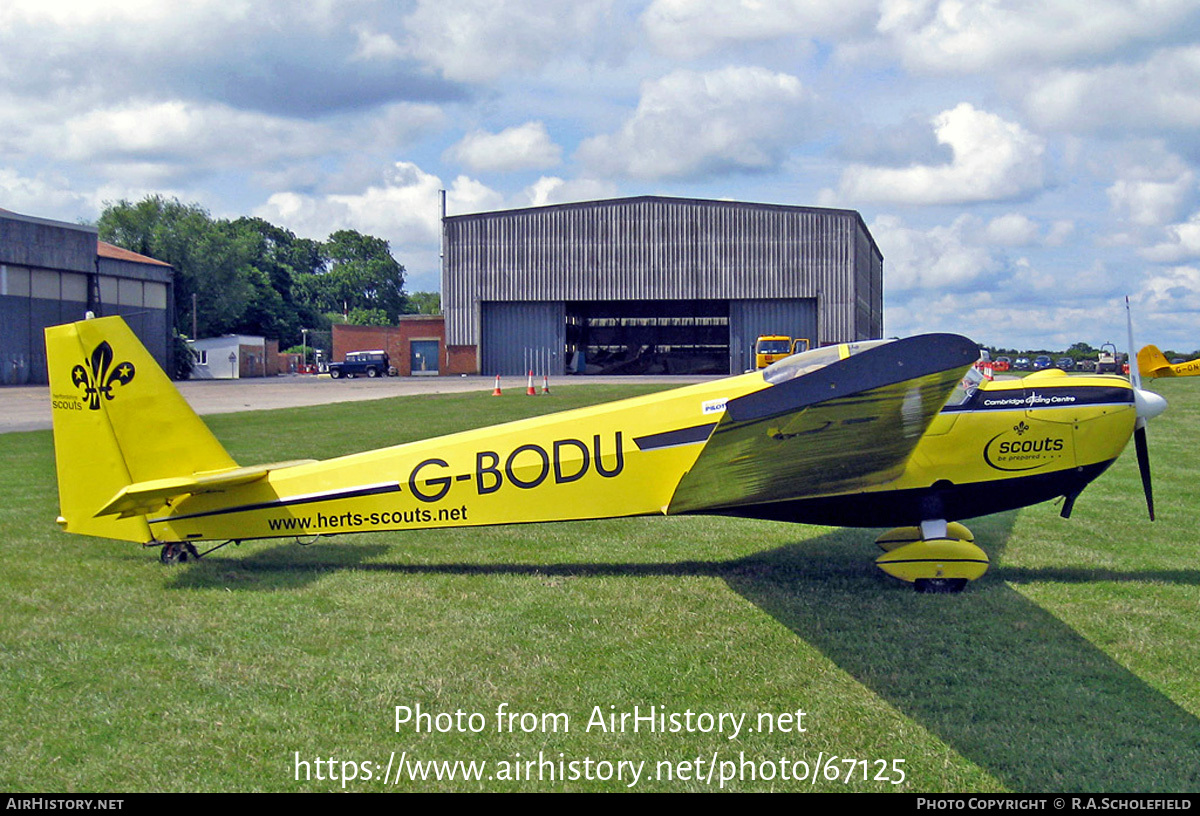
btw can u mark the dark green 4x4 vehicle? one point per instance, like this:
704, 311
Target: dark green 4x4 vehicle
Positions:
361, 363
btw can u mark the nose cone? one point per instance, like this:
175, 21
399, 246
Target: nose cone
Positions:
1149, 404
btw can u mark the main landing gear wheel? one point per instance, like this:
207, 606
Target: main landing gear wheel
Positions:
178, 552
939, 586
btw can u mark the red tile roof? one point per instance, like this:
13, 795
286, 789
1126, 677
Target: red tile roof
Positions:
107, 250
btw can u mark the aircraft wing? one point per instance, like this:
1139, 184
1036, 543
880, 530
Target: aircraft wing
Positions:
840, 428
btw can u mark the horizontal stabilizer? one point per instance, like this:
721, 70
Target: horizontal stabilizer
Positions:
142, 498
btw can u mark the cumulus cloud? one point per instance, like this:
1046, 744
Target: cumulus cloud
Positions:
1148, 202
1045, 325
686, 29
993, 160
404, 208
894, 144
120, 14
1009, 316
306, 60
158, 142
523, 147
1012, 230
1169, 300
481, 40
689, 124
1175, 290
962, 277
937, 259
176, 129
1060, 231
553, 190
353, 113
268, 54
1182, 242
374, 45
47, 195
468, 195
950, 36
967, 255
1160, 93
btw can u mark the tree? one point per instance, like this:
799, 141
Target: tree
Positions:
209, 261
368, 317
252, 277
278, 259
1082, 351
182, 358
359, 273
429, 303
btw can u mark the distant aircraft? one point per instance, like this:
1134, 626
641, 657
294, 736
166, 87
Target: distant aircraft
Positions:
1153, 363
870, 434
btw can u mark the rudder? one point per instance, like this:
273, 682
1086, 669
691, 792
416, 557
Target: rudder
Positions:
118, 419
1153, 363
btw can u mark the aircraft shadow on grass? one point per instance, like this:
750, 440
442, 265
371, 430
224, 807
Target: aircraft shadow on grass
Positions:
999, 679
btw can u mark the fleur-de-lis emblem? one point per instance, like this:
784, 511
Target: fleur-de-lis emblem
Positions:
1020, 427
97, 379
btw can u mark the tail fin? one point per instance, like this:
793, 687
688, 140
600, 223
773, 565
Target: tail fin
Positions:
118, 420
1152, 363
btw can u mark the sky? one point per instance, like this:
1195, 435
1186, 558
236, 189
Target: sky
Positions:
1023, 166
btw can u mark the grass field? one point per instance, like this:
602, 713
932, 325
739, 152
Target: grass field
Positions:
1071, 666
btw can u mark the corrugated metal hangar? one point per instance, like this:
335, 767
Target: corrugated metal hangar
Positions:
653, 284
53, 272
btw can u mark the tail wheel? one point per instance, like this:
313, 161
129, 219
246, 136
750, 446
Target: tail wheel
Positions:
178, 552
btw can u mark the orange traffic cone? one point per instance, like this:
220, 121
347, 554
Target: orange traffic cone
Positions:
497, 393
530, 391
545, 384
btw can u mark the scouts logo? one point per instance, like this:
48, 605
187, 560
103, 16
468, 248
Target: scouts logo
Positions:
1014, 451
97, 379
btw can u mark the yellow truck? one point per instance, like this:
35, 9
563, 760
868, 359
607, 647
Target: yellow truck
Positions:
771, 347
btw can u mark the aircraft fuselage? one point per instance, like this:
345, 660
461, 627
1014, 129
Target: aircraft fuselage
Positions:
1014, 443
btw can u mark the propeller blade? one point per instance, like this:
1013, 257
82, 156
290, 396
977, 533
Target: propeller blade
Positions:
1143, 458
1135, 376
1068, 504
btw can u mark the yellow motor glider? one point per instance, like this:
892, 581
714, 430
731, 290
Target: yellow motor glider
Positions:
871, 434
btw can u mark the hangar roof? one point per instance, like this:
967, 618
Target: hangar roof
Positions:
46, 222
116, 253
706, 202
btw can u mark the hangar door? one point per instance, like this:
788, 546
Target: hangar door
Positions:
750, 318
648, 336
519, 336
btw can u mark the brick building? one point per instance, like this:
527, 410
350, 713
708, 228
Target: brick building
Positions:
416, 347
